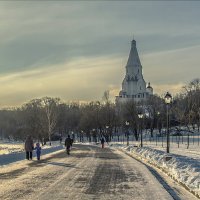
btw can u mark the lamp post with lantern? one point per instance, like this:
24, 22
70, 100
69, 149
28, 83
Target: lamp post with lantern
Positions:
168, 100
140, 115
127, 131
81, 136
107, 133
158, 113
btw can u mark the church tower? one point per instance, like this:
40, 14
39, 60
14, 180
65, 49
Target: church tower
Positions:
133, 85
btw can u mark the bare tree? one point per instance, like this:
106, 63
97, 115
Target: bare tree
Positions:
192, 94
129, 112
106, 96
154, 108
50, 108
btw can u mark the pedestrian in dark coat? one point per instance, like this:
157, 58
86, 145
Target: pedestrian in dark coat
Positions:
29, 146
102, 142
68, 144
68, 141
38, 150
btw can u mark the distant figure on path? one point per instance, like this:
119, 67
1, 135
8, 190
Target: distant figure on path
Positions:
102, 142
68, 144
38, 150
29, 146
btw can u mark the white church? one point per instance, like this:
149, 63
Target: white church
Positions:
133, 86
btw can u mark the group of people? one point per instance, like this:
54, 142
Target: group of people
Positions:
29, 147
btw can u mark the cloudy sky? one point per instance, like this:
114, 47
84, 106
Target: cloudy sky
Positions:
77, 50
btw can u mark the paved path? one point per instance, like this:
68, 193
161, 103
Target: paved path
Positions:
88, 173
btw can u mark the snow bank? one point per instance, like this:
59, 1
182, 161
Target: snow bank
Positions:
14, 151
9, 147
184, 169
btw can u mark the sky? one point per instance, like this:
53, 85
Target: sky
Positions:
77, 50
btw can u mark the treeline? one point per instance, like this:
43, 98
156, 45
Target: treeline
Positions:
44, 117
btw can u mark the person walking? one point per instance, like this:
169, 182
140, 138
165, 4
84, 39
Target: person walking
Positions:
29, 146
68, 144
102, 142
38, 150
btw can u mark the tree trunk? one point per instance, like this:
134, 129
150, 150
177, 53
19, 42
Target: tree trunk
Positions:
136, 134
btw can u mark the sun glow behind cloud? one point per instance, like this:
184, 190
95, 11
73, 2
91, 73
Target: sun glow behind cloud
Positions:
82, 79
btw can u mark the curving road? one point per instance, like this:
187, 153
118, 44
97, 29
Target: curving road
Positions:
88, 173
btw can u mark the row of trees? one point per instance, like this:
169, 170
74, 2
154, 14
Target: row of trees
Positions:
44, 117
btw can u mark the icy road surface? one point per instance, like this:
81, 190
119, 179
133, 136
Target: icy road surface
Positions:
88, 173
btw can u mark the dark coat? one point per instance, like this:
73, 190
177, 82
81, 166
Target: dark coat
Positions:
68, 142
102, 140
29, 146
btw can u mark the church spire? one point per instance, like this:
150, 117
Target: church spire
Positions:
133, 59
134, 86
133, 43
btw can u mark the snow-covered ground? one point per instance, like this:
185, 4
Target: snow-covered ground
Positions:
7, 147
12, 151
10, 147
184, 165
88, 173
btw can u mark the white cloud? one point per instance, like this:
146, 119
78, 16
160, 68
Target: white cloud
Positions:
172, 67
81, 79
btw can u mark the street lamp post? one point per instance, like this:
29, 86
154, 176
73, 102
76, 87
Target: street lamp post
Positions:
107, 133
141, 117
127, 131
81, 136
168, 100
158, 113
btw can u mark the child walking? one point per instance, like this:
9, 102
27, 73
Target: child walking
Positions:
38, 150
